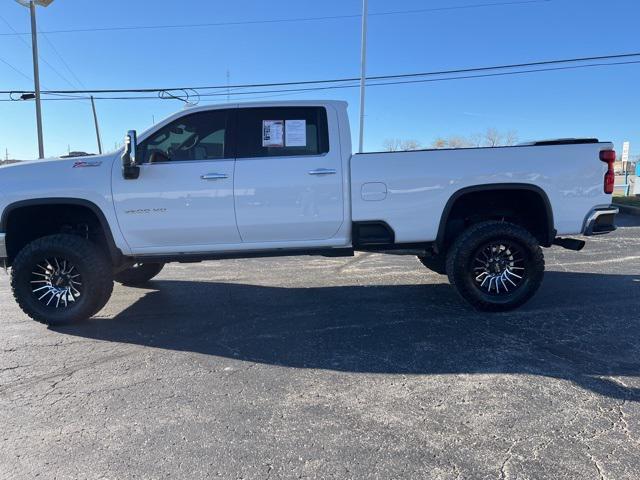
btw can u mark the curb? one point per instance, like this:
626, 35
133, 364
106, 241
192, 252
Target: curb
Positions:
628, 209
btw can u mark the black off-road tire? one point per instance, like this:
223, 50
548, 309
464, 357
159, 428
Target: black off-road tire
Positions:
436, 264
461, 257
139, 274
90, 261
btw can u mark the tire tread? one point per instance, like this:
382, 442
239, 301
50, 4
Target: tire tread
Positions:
465, 245
95, 261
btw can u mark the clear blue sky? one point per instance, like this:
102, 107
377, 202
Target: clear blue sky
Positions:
600, 102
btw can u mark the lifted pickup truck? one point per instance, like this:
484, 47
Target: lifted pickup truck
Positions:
271, 179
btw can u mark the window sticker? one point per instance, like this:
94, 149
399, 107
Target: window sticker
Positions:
273, 133
296, 133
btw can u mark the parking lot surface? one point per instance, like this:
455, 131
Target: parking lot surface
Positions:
365, 367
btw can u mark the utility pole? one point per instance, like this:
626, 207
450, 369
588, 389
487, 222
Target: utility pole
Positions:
31, 4
95, 120
36, 77
363, 71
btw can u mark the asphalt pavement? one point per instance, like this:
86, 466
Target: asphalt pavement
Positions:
301, 367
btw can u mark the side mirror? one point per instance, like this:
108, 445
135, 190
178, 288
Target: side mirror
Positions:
130, 169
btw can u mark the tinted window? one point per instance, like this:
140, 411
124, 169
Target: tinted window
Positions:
199, 136
276, 132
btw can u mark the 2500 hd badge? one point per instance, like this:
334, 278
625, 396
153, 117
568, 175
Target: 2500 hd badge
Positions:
144, 211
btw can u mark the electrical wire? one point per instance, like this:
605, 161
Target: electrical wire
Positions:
281, 92
43, 60
16, 70
60, 57
285, 20
342, 80
405, 82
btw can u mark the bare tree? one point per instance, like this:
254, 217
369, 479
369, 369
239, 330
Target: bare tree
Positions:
410, 145
391, 144
475, 140
511, 137
458, 142
492, 137
440, 143
398, 145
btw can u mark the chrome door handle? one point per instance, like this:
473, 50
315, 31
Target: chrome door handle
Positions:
323, 171
214, 176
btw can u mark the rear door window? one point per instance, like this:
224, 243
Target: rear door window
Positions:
282, 131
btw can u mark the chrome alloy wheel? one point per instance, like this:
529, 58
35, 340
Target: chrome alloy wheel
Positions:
499, 268
56, 283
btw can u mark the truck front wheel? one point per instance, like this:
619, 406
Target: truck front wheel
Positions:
495, 266
60, 279
139, 274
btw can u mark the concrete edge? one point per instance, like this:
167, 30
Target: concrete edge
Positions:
628, 209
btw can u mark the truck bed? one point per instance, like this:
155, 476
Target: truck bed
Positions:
405, 189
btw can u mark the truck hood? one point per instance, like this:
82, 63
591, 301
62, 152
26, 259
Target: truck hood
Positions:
46, 161
52, 164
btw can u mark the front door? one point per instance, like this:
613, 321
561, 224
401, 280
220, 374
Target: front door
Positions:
288, 182
183, 199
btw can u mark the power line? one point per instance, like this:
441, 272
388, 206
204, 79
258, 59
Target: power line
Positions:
404, 82
286, 20
342, 80
39, 56
486, 75
16, 70
281, 92
55, 50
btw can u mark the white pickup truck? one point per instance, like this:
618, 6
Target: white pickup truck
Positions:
271, 179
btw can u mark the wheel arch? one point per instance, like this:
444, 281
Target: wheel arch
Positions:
546, 238
114, 252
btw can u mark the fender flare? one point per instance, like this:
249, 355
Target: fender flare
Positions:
114, 252
493, 187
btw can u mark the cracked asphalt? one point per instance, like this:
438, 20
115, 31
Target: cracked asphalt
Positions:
367, 367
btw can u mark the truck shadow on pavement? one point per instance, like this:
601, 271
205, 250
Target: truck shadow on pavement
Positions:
581, 327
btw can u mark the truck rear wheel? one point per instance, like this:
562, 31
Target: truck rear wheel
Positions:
61, 279
139, 274
496, 266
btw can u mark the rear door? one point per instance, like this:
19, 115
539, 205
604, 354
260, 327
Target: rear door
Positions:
288, 177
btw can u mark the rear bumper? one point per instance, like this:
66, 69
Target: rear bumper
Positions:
600, 220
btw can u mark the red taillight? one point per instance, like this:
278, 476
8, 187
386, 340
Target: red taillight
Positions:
609, 182
609, 156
